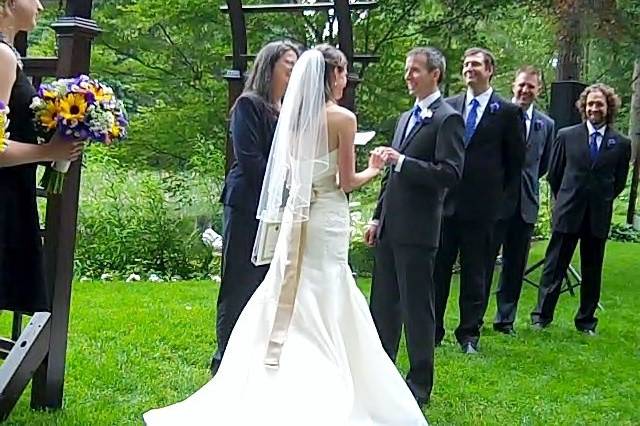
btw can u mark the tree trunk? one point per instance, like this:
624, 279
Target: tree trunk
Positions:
634, 134
568, 39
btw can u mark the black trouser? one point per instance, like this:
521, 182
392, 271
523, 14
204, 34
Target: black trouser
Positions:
557, 258
514, 235
240, 277
473, 241
402, 292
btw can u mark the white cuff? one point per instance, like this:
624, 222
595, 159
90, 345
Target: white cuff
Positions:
398, 166
374, 222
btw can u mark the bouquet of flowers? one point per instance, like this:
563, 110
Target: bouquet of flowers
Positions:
4, 123
78, 109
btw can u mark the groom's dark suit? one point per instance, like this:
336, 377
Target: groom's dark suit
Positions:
409, 211
493, 160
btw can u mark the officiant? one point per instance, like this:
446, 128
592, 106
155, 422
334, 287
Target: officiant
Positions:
253, 122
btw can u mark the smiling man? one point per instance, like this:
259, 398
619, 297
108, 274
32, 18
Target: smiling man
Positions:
494, 154
425, 159
515, 227
588, 170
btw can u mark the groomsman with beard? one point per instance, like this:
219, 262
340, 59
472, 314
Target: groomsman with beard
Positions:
589, 166
494, 154
425, 159
514, 229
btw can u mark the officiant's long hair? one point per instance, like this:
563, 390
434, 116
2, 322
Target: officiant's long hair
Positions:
261, 74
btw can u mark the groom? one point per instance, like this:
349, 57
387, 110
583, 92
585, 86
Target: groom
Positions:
424, 160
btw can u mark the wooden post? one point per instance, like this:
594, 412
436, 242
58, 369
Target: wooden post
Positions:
75, 33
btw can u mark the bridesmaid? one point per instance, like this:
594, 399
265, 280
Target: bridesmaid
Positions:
22, 284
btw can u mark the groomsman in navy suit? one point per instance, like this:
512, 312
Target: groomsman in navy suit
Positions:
494, 154
514, 229
589, 166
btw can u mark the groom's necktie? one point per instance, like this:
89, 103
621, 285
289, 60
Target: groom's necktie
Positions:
470, 125
524, 118
415, 119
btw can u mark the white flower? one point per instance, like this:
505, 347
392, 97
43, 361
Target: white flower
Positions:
211, 238
427, 113
155, 278
216, 279
133, 277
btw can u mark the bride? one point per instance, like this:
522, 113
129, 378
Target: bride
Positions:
305, 350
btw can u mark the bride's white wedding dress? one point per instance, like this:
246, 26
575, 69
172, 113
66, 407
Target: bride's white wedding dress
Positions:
332, 368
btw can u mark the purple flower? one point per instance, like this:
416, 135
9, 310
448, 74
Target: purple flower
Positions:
2, 105
494, 107
538, 124
611, 142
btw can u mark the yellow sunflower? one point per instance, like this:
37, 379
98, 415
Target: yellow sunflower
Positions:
73, 106
100, 94
48, 116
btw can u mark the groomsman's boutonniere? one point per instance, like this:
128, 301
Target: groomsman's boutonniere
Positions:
611, 142
538, 125
494, 107
426, 115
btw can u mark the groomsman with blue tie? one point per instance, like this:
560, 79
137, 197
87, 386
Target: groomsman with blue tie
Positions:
494, 155
589, 166
425, 159
520, 210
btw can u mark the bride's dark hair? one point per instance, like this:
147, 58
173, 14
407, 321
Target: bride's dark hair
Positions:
334, 59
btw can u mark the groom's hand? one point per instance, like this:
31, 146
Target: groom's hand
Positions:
390, 156
370, 232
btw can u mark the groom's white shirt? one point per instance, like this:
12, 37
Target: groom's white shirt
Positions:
424, 105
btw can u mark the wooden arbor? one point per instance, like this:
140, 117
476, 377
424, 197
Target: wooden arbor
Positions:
39, 351
341, 9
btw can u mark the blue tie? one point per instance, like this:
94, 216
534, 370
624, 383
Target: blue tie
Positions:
593, 146
415, 118
470, 125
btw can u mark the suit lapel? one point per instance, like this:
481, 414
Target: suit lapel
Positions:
583, 136
604, 146
400, 130
485, 114
458, 103
416, 128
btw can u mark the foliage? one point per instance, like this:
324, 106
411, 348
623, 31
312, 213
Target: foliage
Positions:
141, 222
624, 232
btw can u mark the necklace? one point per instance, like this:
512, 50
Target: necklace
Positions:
3, 39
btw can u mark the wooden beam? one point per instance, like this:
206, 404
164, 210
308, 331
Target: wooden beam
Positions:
75, 34
24, 358
301, 7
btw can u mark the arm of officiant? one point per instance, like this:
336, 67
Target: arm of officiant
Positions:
445, 169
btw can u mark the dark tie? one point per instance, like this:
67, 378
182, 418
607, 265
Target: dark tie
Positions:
593, 146
470, 125
523, 117
415, 118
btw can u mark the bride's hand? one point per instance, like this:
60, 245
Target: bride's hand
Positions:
375, 159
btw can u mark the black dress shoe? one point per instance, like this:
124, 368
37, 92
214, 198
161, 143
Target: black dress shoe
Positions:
505, 329
469, 348
538, 326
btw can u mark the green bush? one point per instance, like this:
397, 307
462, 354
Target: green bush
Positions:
624, 232
141, 222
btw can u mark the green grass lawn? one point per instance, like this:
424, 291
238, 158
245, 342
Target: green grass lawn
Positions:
133, 347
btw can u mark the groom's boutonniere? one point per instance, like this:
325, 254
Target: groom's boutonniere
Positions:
611, 142
538, 125
426, 115
494, 107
